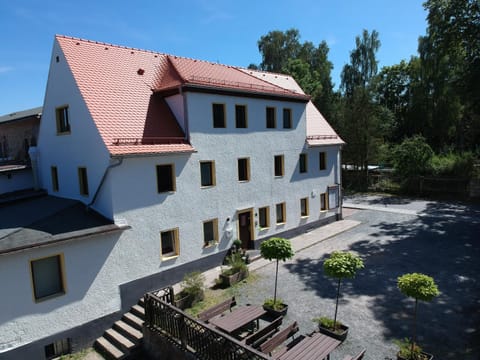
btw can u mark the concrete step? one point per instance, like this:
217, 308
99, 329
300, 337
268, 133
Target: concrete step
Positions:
128, 331
133, 320
138, 311
141, 302
107, 349
119, 340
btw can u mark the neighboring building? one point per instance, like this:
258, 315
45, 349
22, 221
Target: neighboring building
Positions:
18, 131
180, 157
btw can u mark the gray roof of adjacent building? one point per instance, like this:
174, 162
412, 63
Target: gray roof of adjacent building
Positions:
45, 220
19, 115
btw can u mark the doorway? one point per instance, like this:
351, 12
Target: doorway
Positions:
245, 229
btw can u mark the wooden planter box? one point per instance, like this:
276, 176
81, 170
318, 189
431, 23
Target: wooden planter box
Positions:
426, 356
339, 335
229, 280
276, 313
186, 301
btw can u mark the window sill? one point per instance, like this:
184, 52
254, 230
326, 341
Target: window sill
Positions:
169, 257
281, 223
63, 133
207, 186
210, 244
304, 216
49, 297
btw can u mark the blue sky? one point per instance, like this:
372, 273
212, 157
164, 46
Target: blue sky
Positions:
213, 30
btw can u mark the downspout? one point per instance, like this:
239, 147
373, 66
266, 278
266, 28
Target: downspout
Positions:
111, 166
340, 184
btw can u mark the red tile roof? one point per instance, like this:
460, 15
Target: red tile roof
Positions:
122, 89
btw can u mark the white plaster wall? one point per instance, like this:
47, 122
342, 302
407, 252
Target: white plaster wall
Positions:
175, 103
92, 271
83, 147
16, 180
136, 201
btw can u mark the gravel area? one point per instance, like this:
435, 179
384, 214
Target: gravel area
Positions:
396, 236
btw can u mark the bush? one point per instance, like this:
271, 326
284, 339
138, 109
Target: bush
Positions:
276, 305
452, 164
412, 157
236, 264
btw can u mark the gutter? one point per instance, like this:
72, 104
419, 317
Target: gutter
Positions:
111, 166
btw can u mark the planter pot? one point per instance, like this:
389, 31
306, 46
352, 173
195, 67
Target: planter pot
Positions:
426, 356
276, 313
186, 301
340, 334
229, 280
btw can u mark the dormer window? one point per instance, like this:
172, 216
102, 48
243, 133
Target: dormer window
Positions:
63, 123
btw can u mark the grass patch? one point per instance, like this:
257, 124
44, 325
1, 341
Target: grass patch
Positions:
80, 355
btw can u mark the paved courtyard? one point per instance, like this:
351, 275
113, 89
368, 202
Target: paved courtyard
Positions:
395, 236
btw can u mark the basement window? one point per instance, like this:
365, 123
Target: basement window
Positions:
58, 348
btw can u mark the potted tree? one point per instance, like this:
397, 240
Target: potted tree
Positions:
340, 265
236, 271
276, 248
419, 287
193, 287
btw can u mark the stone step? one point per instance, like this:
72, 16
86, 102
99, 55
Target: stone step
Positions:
128, 331
138, 311
119, 340
107, 349
141, 302
133, 320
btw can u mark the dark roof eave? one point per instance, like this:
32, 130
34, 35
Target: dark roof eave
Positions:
70, 236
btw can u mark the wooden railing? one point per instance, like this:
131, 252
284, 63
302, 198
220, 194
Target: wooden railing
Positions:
205, 342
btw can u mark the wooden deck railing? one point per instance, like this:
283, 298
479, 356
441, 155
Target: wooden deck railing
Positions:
205, 342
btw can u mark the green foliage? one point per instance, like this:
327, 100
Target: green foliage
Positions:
235, 264
453, 164
276, 248
328, 323
405, 350
275, 304
418, 286
342, 265
193, 284
412, 157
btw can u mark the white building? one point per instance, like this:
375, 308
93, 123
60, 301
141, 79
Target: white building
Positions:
180, 157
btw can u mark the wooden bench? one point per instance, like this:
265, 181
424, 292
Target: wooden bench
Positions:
217, 309
275, 345
359, 356
260, 336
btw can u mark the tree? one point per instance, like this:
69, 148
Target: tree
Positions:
420, 287
277, 47
412, 157
341, 265
276, 248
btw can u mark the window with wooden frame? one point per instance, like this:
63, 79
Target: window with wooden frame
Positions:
270, 118
264, 217
169, 243
322, 160
83, 181
207, 173
323, 202
287, 118
279, 165
63, 122
241, 116
304, 207
244, 169
210, 232
48, 277
218, 111
303, 163
165, 178
54, 174
281, 215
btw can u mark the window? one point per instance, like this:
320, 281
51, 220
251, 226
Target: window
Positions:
47, 277
323, 160
287, 118
243, 169
63, 124
210, 232
165, 178
333, 197
54, 173
264, 217
271, 118
169, 243
279, 165
58, 348
303, 165
323, 202
83, 181
241, 116
280, 210
207, 173
304, 207
218, 115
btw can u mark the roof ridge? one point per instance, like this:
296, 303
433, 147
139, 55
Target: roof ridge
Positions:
109, 44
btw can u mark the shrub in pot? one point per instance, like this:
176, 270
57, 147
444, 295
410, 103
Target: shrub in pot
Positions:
193, 287
276, 248
236, 271
340, 265
419, 287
